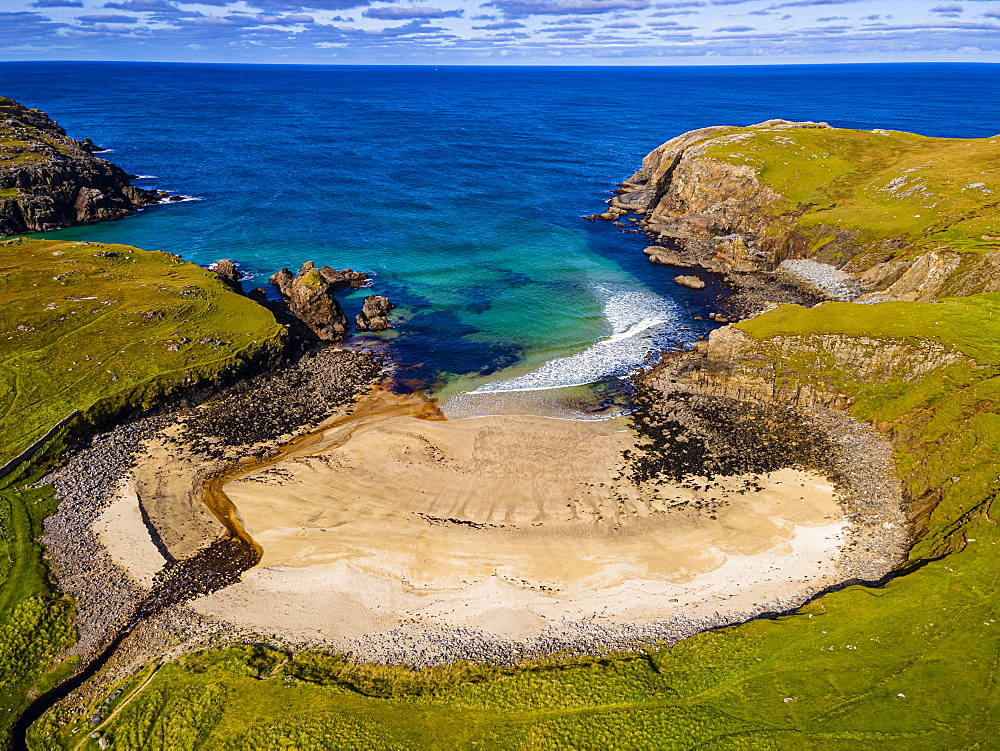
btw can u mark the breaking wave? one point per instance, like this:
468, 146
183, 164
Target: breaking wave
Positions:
638, 322
178, 199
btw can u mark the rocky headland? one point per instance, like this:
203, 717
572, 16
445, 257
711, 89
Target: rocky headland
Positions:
49, 180
823, 218
841, 214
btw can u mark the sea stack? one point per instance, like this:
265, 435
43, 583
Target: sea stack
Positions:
374, 315
310, 299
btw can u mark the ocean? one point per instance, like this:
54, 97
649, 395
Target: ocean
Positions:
461, 189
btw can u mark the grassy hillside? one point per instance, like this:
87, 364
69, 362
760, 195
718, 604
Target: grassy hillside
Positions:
95, 329
945, 425
912, 664
934, 192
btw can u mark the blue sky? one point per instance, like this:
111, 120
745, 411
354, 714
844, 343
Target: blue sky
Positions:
567, 32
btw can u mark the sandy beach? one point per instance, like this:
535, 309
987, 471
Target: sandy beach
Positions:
392, 517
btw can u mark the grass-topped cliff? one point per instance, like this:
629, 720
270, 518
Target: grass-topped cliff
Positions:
98, 330
872, 202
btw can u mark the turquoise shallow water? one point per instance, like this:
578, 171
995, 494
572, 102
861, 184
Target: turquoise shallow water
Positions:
461, 189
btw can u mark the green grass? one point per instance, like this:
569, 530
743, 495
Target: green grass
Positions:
878, 185
35, 624
98, 327
912, 664
968, 324
41, 143
945, 424
93, 328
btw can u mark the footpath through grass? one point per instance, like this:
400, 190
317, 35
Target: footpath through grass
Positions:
98, 329
912, 664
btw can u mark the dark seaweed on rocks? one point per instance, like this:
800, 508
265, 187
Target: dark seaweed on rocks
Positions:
687, 435
269, 406
752, 292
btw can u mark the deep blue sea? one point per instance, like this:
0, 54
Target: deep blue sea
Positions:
461, 188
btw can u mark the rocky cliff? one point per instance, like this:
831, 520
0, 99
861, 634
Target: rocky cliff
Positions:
49, 180
906, 216
804, 370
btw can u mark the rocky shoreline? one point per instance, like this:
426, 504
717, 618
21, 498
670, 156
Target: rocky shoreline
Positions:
724, 199
261, 414
690, 428
256, 414
49, 180
854, 455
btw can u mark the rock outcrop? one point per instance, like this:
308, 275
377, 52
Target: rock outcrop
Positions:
344, 278
310, 299
374, 315
49, 180
226, 270
704, 210
798, 371
691, 282
905, 217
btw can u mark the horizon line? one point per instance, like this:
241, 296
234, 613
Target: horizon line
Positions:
512, 64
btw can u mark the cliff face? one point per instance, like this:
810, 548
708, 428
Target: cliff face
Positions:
909, 217
800, 371
49, 180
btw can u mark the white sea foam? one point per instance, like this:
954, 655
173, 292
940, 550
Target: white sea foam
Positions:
638, 321
183, 199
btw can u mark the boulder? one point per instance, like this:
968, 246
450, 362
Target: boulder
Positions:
691, 282
344, 278
226, 271
659, 254
374, 315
